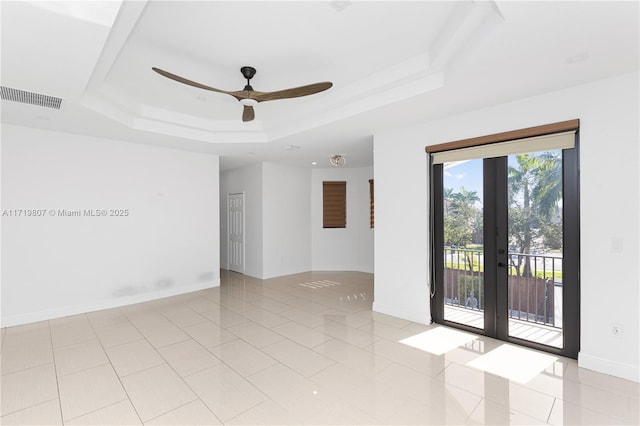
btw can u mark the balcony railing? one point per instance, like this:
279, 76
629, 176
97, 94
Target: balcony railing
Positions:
534, 284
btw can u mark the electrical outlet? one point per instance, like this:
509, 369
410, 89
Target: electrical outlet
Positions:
616, 330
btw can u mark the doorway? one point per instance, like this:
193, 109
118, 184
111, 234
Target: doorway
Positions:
235, 232
505, 226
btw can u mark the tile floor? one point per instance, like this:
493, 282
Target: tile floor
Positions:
302, 349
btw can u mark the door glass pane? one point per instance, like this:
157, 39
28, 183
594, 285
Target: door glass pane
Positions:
463, 243
535, 247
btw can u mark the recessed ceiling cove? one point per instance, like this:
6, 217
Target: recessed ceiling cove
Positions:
374, 53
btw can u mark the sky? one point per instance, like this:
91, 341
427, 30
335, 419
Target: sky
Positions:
466, 173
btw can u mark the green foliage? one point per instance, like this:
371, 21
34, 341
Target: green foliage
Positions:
462, 219
468, 284
535, 187
552, 235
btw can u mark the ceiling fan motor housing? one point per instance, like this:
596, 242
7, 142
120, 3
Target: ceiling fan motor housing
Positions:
248, 72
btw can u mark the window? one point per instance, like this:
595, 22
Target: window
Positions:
334, 204
371, 204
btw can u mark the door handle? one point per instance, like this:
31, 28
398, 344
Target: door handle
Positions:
501, 265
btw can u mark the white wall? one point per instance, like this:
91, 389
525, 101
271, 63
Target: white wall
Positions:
277, 229
350, 248
609, 156
247, 180
287, 223
55, 266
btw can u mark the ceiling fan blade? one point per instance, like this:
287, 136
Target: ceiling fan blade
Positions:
247, 113
295, 92
195, 83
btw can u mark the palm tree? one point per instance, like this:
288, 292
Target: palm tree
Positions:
535, 187
462, 202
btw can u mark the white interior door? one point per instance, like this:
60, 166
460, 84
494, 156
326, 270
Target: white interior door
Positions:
235, 217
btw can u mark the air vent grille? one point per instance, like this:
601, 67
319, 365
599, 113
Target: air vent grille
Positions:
32, 98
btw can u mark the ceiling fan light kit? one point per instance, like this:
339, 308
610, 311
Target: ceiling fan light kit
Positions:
249, 97
337, 160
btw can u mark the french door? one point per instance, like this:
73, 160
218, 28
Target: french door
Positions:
505, 248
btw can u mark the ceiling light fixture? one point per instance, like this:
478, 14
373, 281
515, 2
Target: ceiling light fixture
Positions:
338, 160
248, 102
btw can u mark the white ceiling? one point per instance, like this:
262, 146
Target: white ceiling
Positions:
392, 63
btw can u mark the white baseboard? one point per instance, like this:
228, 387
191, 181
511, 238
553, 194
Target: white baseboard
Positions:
65, 311
613, 368
401, 312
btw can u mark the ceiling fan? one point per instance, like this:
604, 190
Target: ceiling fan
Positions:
249, 97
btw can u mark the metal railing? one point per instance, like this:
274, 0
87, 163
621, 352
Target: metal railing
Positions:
534, 284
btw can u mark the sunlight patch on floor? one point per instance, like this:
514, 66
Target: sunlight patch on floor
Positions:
320, 284
514, 363
438, 340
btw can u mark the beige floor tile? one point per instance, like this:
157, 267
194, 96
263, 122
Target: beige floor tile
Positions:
19, 354
266, 413
410, 357
89, 390
347, 334
548, 384
340, 413
299, 358
300, 396
386, 331
193, 413
150, 319
567, 413
165, 335
280, 381
133, 357
46, 413
265, 318
70, 330
255, 334
492, 413
475, 381
599, 380
443, 404
34, 333
202, 305
26, 388
351, 356
157, 391
242, 357
601, 401
183, 316
224, 317
409, 382
306, 318
209, 334
362, 390
224, 391
188, 357
79, 356
352, 320
118, 334
271, 305
106, 318
302, 334
524, 400
120, 413
347, 368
